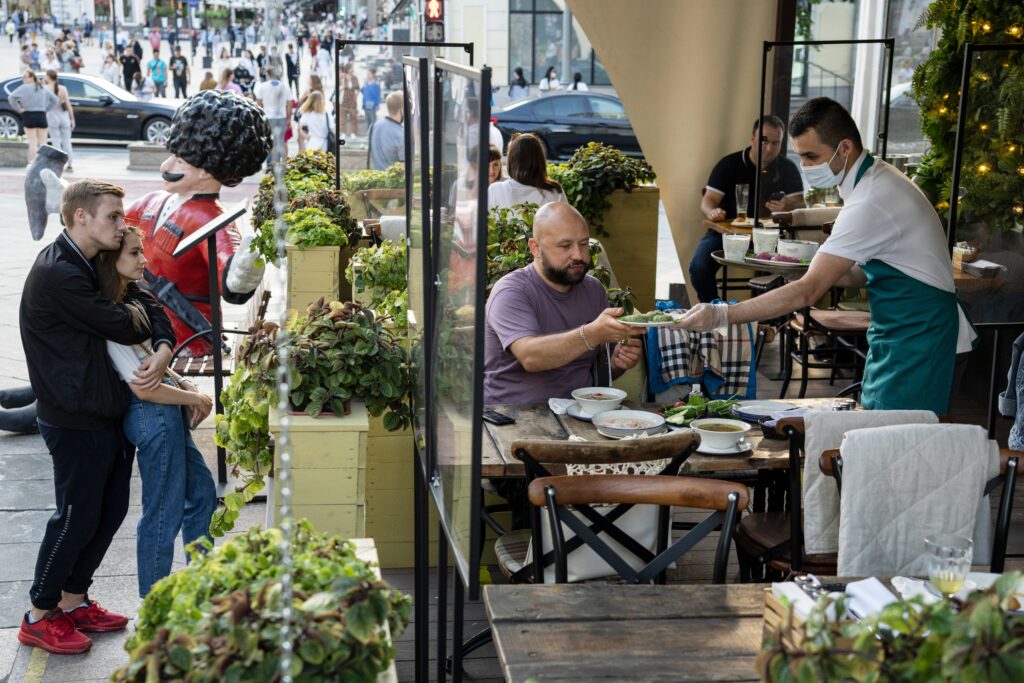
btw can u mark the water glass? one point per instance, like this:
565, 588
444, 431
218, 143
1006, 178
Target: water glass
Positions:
735, 246
832, 197
742, 195
766, 240
949, 561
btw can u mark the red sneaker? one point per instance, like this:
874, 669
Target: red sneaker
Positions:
54, 633
92, 618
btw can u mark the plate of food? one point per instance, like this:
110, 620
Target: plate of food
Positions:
622, 423
748, 222
649, 319
777, 260
681, 414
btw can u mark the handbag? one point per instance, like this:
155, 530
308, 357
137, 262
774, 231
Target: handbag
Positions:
332, 138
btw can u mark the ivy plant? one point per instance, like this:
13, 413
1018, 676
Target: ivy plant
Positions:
981, 639
219, 618
592, 174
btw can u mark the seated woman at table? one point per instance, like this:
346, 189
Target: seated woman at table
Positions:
545, 322
780, 182
528, 179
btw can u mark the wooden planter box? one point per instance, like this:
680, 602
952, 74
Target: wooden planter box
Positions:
632, 241
328, 470
14, 154
145, 156
317, 272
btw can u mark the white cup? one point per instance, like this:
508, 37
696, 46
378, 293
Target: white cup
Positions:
735, 246
766, 240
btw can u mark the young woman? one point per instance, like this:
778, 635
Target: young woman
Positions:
143, 87
32, 101
60, 118
227, 82
550, 81
528, 179
208, 82
315, 123
111, 70
518, 89
577, 83
178, 492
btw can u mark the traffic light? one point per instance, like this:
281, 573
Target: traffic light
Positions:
435, 10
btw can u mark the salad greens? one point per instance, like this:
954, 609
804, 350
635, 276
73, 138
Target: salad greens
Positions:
649, 317
696, 407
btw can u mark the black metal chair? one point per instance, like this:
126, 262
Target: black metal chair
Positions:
724, 499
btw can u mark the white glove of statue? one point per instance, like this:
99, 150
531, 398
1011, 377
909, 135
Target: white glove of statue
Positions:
704, 317
54, 189
245, 272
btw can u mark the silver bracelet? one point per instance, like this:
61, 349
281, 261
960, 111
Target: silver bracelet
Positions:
584, 338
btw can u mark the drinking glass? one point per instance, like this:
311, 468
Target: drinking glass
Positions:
766, 240
832, 197
742, 194
949, 561
735, 246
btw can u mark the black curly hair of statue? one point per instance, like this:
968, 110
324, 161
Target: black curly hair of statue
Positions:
224, 134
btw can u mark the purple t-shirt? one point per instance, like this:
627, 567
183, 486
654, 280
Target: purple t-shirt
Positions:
523, 305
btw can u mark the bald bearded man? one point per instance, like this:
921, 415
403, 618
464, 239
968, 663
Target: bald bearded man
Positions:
546, 322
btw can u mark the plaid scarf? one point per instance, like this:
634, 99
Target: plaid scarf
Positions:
722, 364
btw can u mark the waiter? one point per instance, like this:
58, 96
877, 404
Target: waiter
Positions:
887, 238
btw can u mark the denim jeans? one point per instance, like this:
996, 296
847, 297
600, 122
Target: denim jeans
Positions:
178, 492
704, 269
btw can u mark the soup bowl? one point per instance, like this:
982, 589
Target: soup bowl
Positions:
720, 432
594, 400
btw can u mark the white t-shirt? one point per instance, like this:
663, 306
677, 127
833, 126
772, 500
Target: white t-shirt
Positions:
274, 96
510, 192
886, 217
126, 359
318, 125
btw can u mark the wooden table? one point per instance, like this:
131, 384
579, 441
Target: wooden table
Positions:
536, 421
587, 632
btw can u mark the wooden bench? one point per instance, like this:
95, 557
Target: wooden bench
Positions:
202, 366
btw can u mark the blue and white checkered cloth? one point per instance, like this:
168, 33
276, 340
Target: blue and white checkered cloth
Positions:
722, 364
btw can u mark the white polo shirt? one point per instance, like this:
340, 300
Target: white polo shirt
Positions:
887, 217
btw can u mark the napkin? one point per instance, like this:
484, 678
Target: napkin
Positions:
560, 405
868, 597
911, 588
789, 593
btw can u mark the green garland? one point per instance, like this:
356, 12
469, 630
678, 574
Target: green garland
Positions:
992, 170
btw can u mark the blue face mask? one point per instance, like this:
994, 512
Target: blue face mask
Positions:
821, 175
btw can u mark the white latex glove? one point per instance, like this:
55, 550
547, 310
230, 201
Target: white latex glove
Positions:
54, 189
245, 272
704, 317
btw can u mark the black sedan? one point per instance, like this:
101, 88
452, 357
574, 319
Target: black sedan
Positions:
102, 110
566, 121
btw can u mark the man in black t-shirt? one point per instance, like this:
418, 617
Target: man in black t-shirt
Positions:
129, 67
781, 190
179, 68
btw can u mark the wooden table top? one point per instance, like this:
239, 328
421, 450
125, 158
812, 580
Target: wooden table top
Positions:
536, 421
587, 632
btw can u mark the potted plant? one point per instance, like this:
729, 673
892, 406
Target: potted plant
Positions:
220, 617
615, 194
379, 279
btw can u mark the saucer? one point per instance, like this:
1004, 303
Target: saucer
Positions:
576, 411
741, 447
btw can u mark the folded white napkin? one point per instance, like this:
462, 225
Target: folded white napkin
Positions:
868, 597
560, 405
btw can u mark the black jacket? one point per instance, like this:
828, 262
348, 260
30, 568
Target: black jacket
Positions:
65, 323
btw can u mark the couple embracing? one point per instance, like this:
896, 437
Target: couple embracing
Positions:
97, 349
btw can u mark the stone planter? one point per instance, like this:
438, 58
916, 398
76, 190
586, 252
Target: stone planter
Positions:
13, 153
144, 156
317, 272
632, 241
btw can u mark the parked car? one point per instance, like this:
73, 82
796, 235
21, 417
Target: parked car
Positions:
566, 121
102, 110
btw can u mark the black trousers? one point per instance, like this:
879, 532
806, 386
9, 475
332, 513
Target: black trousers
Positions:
179, 87
91, 474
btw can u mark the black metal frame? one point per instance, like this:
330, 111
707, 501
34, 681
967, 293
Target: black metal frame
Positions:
339, 45
557, 514
889, 44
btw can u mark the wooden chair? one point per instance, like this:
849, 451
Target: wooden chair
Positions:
845, 335
202, 366
723, 498
831, 464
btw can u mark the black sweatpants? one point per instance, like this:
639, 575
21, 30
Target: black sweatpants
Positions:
180, 85
91, 476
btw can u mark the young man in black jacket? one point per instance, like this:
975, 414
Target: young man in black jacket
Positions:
65, 323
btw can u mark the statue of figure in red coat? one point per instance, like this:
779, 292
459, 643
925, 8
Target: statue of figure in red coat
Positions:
216, 139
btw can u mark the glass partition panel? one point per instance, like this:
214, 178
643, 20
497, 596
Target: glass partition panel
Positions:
988, 228
461, 112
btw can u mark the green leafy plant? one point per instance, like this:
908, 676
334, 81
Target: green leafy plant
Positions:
219, 619
992, 171
983, 640
382, 269
593, 173
393, 178
306, 228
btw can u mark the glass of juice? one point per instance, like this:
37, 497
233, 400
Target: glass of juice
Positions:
949, 561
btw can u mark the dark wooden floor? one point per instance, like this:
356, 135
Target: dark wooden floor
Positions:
482, 665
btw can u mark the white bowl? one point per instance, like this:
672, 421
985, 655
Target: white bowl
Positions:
610, 399
629, 422
798, 249
717, 439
